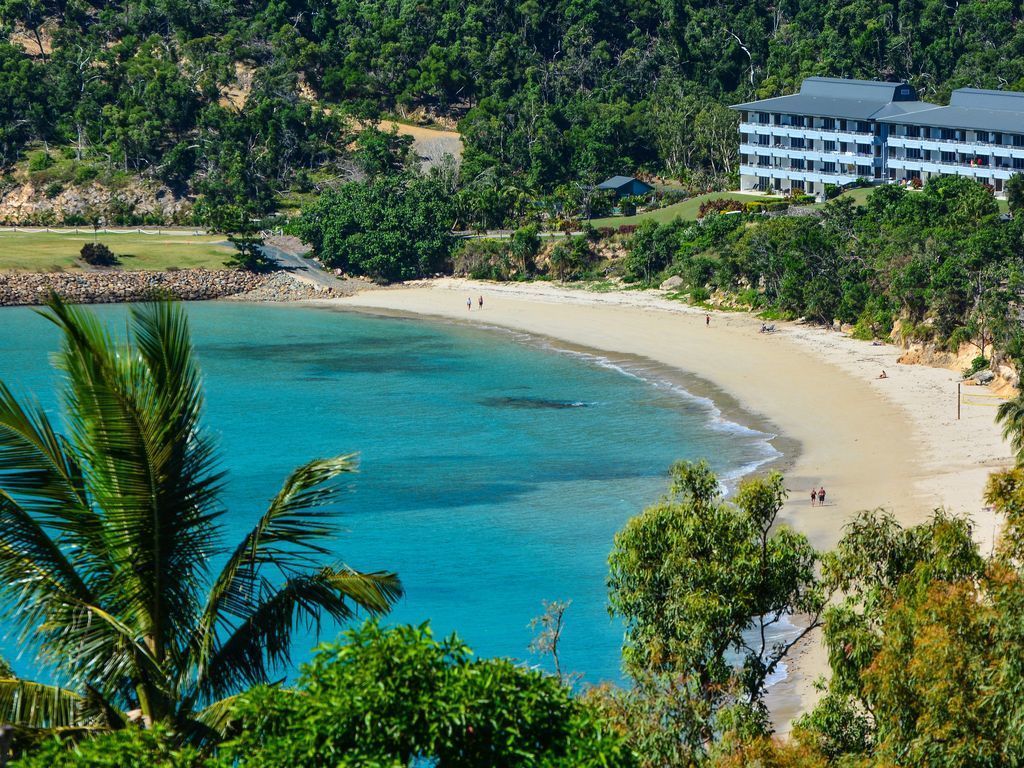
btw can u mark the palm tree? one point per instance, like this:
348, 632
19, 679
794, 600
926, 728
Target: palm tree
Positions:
1011, 416
108, 532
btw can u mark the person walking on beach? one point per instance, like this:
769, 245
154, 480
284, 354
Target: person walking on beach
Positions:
821, 496
707, 321
814, 495
481, 300
469, 304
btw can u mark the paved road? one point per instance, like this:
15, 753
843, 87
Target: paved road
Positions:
302, 267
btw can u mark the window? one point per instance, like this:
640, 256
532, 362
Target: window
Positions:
828, 123
842, 125
913, 154
828, 167
984, 137
797, 164
1018, 140
762, 161
913, 131
762, 118
764, 141
796, 143
829, 146
864, 171
1018, 163
798, 185
863, 127
863, 149
949, 157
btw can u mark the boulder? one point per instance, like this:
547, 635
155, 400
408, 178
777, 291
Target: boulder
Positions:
984, 377
672, 283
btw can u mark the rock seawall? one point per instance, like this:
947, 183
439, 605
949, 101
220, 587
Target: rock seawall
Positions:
33, 288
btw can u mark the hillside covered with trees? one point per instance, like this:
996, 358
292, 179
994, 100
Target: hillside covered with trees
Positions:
240, 103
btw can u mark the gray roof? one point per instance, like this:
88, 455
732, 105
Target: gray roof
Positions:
842, 98
973, 108
619, 181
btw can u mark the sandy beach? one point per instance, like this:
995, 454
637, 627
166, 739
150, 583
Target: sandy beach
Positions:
893, 443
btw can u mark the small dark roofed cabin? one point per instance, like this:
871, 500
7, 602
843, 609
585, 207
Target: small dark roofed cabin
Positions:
625, 186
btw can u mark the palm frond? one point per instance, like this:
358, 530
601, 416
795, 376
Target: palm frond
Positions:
34, 705
149, 468
261, 642
218, 716
1011, 415
287, 536
39, 471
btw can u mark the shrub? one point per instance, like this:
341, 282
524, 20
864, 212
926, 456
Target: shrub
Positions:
699, 295
571, 258
916, 183
39, 161
719, 205
53, 189
85, 173
438, 705
979, 363
627, 229
483, 260
128, 748
98, 255
755, 206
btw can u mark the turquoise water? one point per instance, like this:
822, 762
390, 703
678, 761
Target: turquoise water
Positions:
494, 470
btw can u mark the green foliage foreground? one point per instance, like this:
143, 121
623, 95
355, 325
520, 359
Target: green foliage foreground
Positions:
382, 699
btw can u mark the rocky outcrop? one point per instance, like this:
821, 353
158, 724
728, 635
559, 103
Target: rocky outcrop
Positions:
282, 286
29, 288
32, 204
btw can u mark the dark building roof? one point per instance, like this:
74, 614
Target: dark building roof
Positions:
972, 108
618, 182
848, 99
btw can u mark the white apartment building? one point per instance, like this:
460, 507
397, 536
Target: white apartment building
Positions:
980, 135
833, 131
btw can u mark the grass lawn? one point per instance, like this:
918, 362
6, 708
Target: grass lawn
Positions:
685, 210
50, 251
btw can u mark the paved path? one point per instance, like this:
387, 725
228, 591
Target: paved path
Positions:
303, 268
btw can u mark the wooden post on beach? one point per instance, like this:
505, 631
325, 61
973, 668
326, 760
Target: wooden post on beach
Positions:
958, 401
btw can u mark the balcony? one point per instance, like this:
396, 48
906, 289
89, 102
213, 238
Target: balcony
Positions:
947, 145
952, 169
818, 134
780, 151
795, 175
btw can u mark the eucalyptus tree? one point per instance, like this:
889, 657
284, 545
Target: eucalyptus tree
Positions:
110, 530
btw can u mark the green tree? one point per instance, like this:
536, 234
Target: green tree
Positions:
1015, 192
524, 248
393, 228
699, 582
386, 697
249, 254
108, 531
